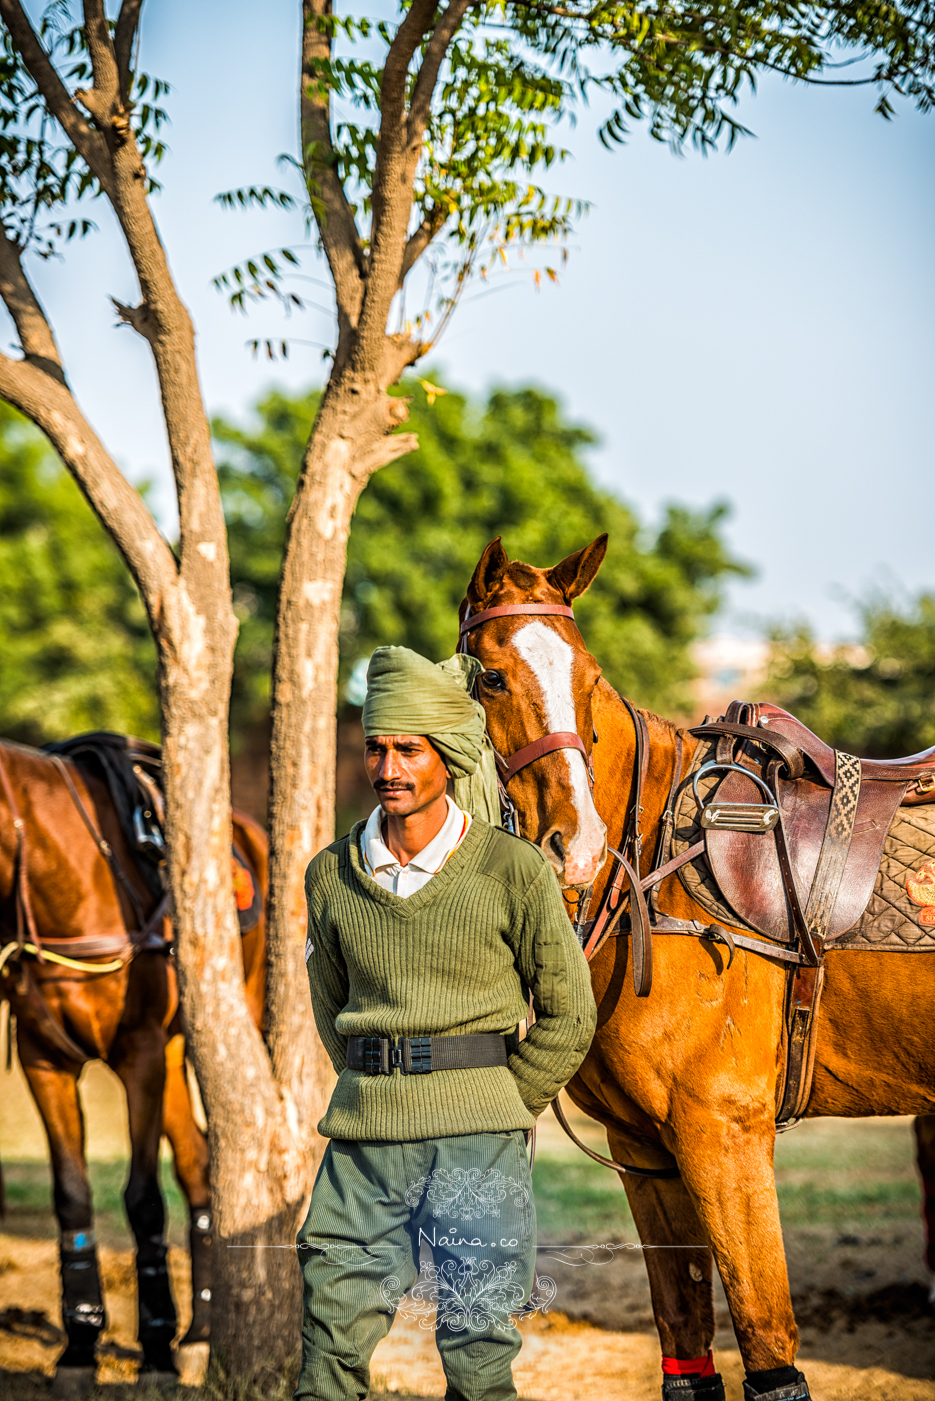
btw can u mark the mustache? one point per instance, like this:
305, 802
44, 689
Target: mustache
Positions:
393, 785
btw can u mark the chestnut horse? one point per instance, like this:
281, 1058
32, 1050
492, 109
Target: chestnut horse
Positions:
127, 1015
685, 1078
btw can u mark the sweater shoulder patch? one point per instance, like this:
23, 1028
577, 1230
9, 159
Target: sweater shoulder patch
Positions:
513, 860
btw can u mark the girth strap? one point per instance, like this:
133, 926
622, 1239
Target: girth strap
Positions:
836, 844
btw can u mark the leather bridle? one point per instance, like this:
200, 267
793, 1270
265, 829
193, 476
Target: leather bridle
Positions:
510, 765
592, 934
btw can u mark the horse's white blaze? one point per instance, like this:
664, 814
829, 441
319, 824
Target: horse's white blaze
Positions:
550, 659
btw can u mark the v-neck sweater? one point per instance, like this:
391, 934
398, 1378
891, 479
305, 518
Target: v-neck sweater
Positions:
460, 955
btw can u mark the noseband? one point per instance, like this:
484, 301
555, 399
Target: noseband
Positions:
559, 739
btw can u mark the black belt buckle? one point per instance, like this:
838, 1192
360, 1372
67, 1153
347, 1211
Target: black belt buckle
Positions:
410, 1054
420, 1054
376, 1055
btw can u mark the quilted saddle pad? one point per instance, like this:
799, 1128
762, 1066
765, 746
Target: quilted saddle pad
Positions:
900, 915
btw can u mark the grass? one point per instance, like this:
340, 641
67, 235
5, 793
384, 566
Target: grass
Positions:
845, 1174
828, 1172
28, 1187
578, 1200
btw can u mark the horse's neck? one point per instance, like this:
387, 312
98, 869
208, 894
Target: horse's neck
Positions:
614, 768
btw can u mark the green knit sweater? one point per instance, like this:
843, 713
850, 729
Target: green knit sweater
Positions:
456, 956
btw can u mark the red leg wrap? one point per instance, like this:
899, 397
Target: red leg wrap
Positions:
681, 1367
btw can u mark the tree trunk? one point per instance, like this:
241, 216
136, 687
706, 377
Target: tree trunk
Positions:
347, 442
258, 1169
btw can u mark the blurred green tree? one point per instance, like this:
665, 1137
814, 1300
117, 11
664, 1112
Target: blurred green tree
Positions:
512, 466
876, 697
76, 652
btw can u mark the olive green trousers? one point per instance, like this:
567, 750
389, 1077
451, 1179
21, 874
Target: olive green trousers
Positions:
374, 1208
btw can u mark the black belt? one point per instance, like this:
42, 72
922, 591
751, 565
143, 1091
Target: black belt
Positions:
420, 1055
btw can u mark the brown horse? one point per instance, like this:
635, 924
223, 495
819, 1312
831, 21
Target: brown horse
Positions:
685, 1078
126, 1014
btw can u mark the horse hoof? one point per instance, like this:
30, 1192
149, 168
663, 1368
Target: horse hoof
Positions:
72, 1382
193, 1363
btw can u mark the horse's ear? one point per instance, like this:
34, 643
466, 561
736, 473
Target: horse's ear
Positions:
489, 573
575, 573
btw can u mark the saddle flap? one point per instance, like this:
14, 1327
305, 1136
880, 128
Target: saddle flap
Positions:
746, 867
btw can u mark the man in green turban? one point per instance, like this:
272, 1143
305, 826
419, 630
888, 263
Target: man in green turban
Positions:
429, 928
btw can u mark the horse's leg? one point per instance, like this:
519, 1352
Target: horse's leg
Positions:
190, 1154
55, 1091
925, 1154
727, 1166
138, 1056
680, 1279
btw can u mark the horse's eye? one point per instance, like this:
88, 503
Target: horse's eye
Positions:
493, 681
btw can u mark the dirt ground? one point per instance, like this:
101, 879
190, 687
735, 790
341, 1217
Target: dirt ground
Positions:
855, 1261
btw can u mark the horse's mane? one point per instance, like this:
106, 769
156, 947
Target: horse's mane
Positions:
670, 725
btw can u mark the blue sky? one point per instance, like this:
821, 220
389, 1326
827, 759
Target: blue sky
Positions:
756, 327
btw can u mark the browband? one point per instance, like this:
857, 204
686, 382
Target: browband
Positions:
560, 610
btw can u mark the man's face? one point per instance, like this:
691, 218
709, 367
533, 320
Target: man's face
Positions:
405, 771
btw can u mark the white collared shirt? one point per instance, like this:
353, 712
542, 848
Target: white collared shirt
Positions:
382, 865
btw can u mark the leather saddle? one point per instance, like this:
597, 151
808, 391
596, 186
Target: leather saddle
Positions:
807, 878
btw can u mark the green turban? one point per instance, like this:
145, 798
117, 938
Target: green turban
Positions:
409, 695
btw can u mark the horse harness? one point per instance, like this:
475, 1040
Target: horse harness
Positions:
118, 948
829, 811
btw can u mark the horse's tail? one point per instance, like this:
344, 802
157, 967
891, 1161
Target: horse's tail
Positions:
252, 841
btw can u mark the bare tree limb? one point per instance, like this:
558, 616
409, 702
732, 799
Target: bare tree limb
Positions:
104, 96
438, 45
89, 143
384, 452
32, 326
408, 37
119, 507
127, 24
430, 227
336, 223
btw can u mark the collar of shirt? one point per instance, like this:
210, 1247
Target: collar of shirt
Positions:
405, 880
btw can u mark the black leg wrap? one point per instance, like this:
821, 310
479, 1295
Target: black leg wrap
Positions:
776, 1384
200, 1244
157, 1310
693, 1388
82, 1302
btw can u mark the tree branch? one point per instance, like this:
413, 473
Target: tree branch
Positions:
89, 143
409, 36
104, 96
562, 12
32, 327
119, 507
430, 227
127, 24
398, 150
391, 188
438, 45
336, 222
